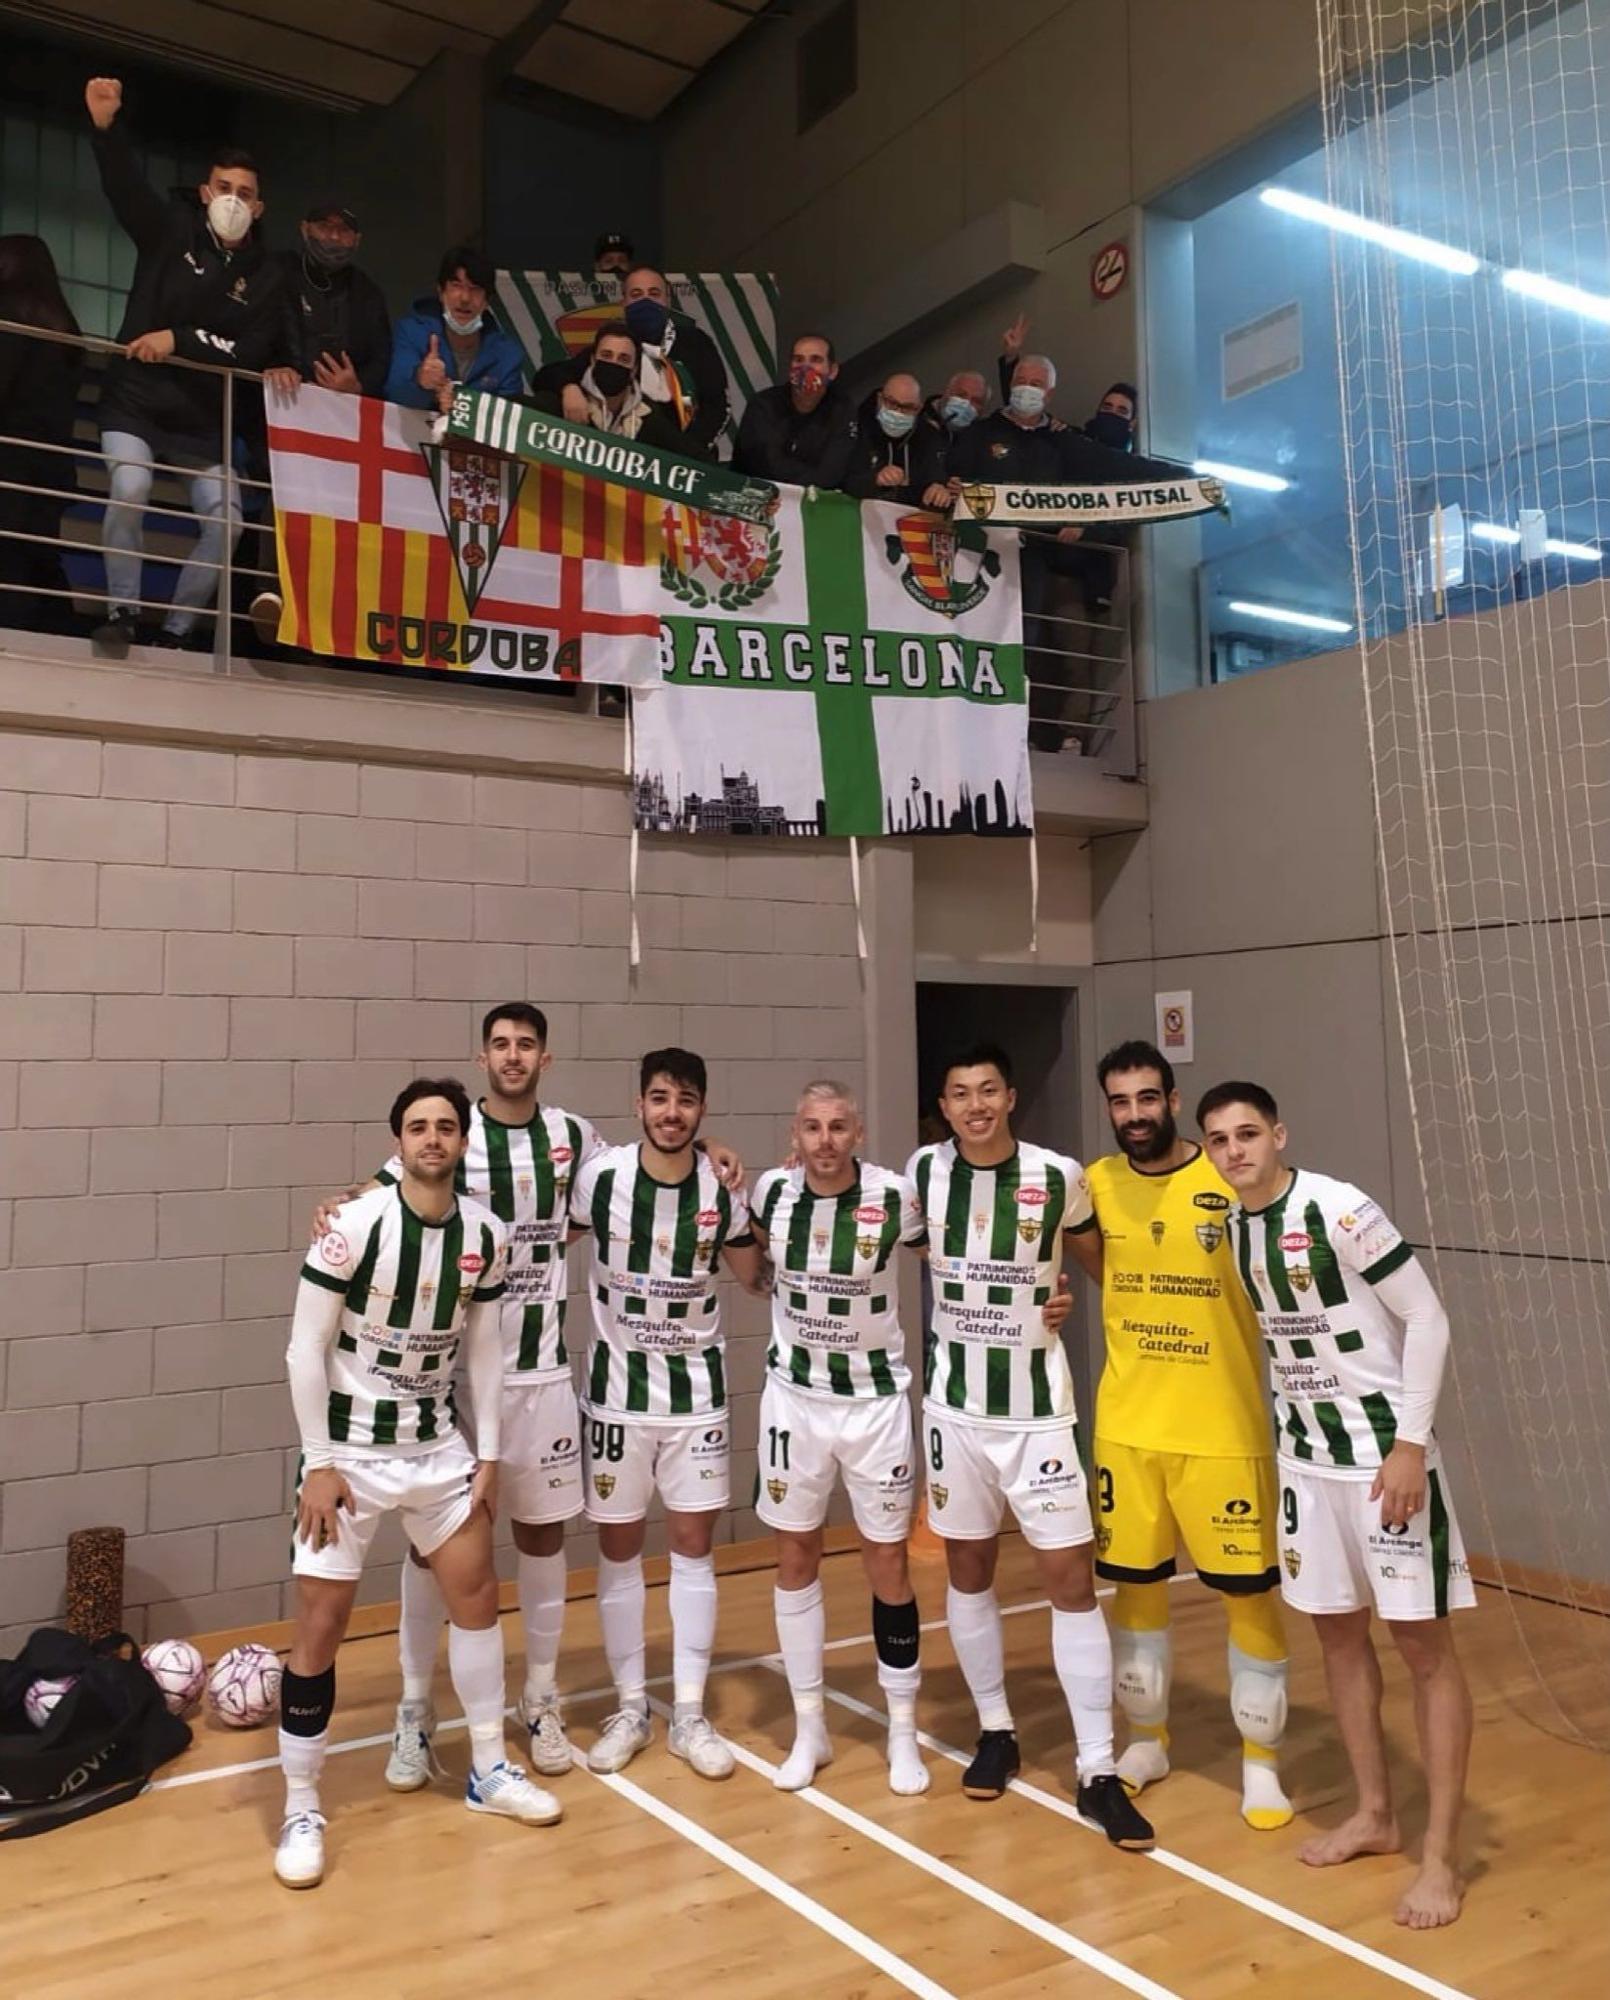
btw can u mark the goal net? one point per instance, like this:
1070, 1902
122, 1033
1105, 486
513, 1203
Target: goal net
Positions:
1466, 147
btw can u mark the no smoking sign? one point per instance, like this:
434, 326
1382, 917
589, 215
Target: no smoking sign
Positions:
1109, 268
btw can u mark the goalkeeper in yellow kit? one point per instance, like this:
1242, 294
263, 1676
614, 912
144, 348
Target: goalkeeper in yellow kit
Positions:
1184, 1448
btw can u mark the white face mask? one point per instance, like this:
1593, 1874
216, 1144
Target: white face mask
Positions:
1028, 399
230, 218
463, 326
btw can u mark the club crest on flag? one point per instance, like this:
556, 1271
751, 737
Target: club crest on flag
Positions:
930, 546
476, 492
742, 558
580, 328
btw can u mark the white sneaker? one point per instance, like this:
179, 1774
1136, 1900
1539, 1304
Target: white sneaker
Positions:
624, 1733
265, 612
697, 1742
299, 1857
508, 1791
551, 1753
412, 1763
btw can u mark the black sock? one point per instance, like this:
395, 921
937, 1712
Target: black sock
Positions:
896, 1632
307, 1702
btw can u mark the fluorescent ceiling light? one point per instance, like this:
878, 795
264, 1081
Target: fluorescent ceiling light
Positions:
1403, 241
1277, 614
1592, 305
1241, 475
1491, 531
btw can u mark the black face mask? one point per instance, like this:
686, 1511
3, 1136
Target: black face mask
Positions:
610, 377
1108, 428
328, 256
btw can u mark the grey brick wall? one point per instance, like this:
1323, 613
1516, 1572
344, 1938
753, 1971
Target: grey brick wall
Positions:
215, 970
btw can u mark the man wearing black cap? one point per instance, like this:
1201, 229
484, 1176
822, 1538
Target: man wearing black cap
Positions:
339, 334
613, 256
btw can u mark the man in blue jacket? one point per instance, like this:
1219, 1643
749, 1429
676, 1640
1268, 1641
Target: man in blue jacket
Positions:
453, 340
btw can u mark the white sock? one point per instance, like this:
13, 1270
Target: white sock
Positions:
908, 1775
801, 1631
620, 1614
542, 1612
693, 1630
419, 1637
1082, 1650
475, 1661
974, 1618
302, 1759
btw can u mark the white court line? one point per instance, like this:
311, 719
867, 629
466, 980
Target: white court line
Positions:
1378, 1961
953, 1878
824, 1919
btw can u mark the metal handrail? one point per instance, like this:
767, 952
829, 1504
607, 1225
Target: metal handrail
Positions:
95, 343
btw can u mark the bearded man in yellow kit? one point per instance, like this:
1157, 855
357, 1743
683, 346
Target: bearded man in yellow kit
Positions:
1184, 1445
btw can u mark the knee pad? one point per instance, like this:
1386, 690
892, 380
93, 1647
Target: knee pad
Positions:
1142, 1665
1258, 1698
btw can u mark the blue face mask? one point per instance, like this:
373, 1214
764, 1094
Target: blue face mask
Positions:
894, 423
647, 319
957, 412
1028, 399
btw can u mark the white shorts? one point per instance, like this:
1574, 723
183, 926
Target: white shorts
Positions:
1336, 1556
976, 1470
806, 1441
624, 1459
431, 1491
539, 1471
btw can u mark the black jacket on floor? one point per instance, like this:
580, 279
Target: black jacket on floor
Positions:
222, 305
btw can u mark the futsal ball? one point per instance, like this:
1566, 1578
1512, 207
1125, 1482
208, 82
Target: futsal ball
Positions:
39, 1703
178, 1669
243, 1688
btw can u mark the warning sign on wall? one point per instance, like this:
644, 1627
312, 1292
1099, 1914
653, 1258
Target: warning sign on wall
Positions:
1109, 269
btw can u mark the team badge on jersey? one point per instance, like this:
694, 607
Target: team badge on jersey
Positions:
1300, 1276
941, 1494
605, 1483
776, 1488
427, 1291
1103, 1538
1159, 1229
334, 1250
819, 1239
1030, 1225
1294, 1562
1210, 1235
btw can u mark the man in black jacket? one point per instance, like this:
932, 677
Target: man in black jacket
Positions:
800, 432
893, 456
203, 290
680, 370
338, 327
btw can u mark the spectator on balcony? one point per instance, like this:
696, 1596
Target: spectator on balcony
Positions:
893, 457
609, 386
613, 257
679, 369
802, 431
338, 331
204, 290
38, 396
945, 415
1114, 421
453, 340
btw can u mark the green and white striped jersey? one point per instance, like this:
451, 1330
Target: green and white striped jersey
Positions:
1309, 1263
523, 1174
994, 1251
405, 1287
835, 1311
657, 1348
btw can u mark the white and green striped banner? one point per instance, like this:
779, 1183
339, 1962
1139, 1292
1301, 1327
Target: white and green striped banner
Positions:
555, 313
843, 668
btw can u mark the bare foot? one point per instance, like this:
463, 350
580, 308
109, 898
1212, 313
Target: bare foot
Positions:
1432, 1899
1364, 1833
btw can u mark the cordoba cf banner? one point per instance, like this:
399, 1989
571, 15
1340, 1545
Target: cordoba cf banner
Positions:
396, 548
839, 669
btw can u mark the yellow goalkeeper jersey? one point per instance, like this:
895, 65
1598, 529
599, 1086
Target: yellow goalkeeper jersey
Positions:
1184, 1367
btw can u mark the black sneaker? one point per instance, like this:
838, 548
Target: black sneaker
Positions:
117, 631
995, 1764
1105, 1801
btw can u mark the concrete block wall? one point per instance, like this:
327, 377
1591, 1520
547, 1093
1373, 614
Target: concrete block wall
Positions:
217, 965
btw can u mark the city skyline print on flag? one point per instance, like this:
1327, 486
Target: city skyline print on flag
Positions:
845, 669
396, 548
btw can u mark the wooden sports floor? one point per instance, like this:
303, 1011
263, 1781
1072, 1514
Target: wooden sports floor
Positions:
661, 1885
